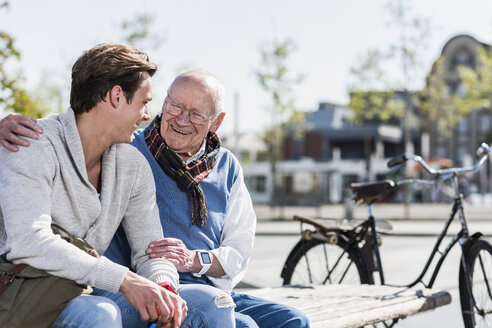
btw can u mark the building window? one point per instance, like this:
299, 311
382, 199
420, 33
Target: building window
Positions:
303, 183
462, 58
463, 125
462, 155
461, 90
245, 156
485, 123
441, 152
256, 183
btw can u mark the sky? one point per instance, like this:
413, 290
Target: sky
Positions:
224, 37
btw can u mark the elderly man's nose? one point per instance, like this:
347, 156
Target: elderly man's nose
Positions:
184, 117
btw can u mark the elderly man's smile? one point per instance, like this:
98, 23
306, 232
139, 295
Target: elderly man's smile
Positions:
175, 129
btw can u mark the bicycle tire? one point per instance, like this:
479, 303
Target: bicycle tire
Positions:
302, 266
479, 260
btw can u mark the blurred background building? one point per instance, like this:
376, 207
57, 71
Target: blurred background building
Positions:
334, 151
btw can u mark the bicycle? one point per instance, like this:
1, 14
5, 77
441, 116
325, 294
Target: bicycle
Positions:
347, 251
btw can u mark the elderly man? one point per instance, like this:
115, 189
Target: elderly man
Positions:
205, 208
83, 176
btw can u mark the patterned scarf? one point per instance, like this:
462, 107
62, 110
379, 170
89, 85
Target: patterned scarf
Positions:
187, 176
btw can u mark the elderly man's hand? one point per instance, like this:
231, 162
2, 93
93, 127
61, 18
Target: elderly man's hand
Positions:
13, 126
176, 252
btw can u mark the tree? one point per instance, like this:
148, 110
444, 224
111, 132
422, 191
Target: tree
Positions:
371, 98
276, 79
477, 82
438, 110
12, 96
137, 32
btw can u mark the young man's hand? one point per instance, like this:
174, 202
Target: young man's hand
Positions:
15, 126
153, 302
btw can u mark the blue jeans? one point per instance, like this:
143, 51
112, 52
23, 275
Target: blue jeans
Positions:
208, 307
89, 311
253, 312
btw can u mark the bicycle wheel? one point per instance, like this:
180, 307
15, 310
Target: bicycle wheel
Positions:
317, 262
479, 260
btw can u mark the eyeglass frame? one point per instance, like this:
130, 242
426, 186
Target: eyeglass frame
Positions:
189, 110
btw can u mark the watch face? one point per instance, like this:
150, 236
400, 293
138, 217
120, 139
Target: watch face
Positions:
205, 258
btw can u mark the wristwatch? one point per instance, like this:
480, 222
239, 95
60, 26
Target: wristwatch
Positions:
205, 259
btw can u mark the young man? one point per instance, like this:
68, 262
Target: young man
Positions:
206, 211
82, 175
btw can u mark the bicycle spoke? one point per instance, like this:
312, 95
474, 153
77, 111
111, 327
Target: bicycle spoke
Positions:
476, 296
345, 272
484, 273
330, 271
317, 262
327, 265
308, 269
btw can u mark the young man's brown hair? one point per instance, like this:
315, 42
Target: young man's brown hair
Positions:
99, 69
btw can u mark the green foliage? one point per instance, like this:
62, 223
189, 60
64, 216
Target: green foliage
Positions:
26, 105
12, 96
137, 32
372, 96
369, 99
375, 106
439, 111
276, 79
7, 52
412, 42
274, 75
477, 82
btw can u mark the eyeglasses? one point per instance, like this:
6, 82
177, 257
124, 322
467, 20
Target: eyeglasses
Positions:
196, 117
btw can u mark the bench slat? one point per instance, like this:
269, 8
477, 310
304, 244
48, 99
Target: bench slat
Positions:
345, 306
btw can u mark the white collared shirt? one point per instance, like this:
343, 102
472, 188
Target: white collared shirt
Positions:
237, 238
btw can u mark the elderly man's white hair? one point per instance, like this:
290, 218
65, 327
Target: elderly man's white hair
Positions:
210, 80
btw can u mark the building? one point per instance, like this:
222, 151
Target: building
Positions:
335, 152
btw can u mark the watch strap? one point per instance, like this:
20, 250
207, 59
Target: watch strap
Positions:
205, 266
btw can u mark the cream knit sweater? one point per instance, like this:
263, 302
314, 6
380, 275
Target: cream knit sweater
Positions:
47, 182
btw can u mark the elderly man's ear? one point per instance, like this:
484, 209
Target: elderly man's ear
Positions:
217, 122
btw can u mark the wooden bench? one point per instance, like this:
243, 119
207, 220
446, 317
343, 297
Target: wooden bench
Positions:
343, 306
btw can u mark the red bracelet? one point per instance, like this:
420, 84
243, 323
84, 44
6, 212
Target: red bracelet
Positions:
167, 286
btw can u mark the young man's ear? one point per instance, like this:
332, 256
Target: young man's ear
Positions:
217, 122
116, 96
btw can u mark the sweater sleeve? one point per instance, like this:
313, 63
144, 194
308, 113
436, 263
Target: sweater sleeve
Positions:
25, 201
143, 226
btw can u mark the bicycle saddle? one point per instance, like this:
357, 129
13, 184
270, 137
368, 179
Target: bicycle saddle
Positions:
371, 192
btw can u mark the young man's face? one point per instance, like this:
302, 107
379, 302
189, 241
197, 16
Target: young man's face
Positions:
178, 131
136, 111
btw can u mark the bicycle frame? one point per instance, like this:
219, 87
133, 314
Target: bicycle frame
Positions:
462, 237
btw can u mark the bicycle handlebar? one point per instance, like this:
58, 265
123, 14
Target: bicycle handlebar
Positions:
397, 160
482, 151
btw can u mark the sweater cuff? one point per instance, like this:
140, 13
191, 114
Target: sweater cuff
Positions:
108, 275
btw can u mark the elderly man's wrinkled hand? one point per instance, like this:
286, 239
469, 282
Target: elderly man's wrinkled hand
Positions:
176, 252
15, 126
